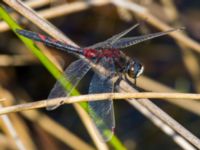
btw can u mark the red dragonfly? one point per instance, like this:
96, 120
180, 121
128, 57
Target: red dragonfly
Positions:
106, 54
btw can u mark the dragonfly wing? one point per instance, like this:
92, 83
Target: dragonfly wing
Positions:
102, 112
74, 73
108, 43
129, 41
116, 37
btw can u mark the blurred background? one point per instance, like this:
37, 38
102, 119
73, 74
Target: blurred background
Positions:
169, 66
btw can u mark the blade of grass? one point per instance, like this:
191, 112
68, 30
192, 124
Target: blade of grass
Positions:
115, 142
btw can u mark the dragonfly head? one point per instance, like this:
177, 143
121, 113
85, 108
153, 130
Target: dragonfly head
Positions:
134, 69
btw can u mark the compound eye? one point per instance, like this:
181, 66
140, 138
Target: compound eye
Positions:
135, 69
130, 71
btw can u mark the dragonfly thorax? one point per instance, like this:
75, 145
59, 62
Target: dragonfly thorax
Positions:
100, 53
134, 69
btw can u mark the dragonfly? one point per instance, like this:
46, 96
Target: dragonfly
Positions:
107, 54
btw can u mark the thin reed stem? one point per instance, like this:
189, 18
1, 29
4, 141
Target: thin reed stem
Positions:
95, 97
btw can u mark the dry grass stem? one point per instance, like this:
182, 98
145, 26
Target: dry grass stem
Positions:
183, 143
91, 128
18, 124
143, 13
12, 132
31, 3
60, 10
38, 3
95, 97
58, 131
192, 64
69, 8
17, 60
27, 12
2, 99
24, 132
6, 142
47, 124
38, 20
189, 58
151, 85
125, 87
172, 123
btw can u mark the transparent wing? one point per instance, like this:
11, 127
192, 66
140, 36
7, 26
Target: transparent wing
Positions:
108, 43
129, 41
102, 112
74, 73
116, 37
